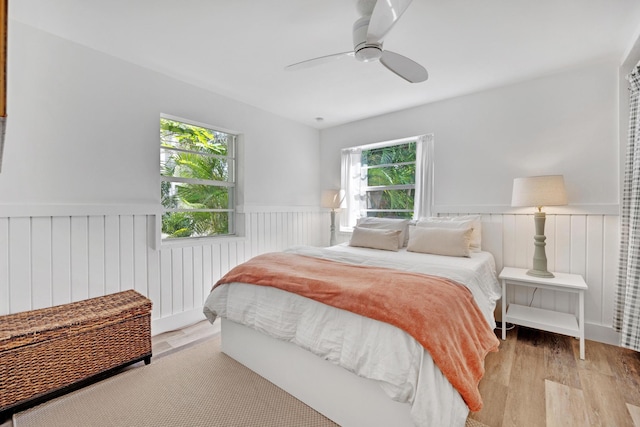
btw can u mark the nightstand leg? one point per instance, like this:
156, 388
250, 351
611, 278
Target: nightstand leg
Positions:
581, 320
503, 303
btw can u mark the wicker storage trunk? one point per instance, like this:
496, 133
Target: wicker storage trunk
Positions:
47, 352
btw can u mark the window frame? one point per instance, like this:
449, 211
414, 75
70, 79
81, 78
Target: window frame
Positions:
373, 188
231, 185
424, 147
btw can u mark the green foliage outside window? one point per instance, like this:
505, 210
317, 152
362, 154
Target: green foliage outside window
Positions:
197, 180
390, 166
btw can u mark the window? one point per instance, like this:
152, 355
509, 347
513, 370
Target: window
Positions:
392, 179
197, 168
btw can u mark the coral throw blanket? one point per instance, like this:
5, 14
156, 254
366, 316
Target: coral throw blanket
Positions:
439, 313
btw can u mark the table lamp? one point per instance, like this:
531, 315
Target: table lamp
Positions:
331, 199
539, 191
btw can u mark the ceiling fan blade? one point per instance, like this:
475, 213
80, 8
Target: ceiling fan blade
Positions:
404, 67
317, 61
385, 14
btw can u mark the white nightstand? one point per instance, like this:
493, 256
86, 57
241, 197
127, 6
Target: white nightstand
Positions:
546, 320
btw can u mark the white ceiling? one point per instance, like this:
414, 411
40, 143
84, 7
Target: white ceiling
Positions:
239, 48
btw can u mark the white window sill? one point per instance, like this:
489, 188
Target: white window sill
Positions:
199, 241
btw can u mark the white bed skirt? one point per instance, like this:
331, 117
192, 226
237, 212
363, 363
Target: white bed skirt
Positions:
345, 398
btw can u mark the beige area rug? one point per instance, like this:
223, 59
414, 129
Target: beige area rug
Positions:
198, 386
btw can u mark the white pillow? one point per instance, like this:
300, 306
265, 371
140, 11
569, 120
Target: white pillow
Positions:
388, 224
375, 238
465, 221
440, 241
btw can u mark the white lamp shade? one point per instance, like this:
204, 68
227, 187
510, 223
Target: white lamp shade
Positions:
539, 191
330, 199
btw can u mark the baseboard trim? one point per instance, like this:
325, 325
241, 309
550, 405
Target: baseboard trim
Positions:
601, 333
176, 321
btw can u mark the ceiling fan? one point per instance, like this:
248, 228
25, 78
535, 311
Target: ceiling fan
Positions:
377, 18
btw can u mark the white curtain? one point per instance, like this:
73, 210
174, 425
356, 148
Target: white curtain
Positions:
354, 180
424, 177
352, 185
627, 303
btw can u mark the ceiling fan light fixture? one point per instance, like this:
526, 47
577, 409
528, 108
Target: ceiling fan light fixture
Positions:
369, 53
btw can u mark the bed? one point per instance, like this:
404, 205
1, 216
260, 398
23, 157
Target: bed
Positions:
357, 369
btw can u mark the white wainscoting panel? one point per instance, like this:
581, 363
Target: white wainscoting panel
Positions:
51, 260
47, 261
585, 244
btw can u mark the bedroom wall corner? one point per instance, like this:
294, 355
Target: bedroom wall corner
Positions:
483, 140
79, 186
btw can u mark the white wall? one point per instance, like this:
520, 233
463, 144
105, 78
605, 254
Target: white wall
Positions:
83, 128
632, 58
79, 187
562, 124
566, 123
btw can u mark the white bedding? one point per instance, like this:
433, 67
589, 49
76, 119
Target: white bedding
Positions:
364, 346
478, 272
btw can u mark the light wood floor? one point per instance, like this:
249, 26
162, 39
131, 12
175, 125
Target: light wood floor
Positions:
536, 379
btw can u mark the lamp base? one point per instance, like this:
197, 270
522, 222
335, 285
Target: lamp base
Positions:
540, 273
539, 256
332, 238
